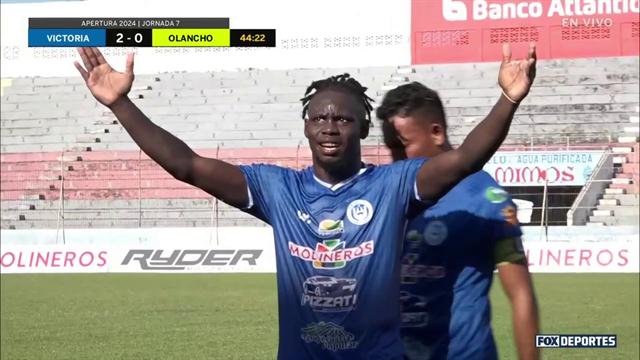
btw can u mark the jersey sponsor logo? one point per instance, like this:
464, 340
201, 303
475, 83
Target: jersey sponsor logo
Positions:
359, 212
414, 239
510, 215
410, 273
329, 227
329, 294
408, 260
331, 254
413, 310
496, 195
435, 233
330, 336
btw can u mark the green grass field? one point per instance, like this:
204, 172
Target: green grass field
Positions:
233, 316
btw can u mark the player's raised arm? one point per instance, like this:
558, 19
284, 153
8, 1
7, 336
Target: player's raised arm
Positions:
439, 175
220, 179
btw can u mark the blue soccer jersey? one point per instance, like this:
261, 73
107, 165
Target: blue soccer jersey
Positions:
337, 253
447, 268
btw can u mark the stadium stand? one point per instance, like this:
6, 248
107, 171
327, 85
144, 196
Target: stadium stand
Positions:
620, 204
57, 141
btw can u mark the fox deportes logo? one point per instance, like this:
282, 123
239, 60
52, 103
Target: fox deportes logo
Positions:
576, 341
151, 259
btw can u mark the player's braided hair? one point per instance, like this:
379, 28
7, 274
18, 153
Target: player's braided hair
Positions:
343, 82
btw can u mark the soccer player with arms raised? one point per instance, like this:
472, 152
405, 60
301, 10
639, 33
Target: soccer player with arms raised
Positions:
452, 249
336, 224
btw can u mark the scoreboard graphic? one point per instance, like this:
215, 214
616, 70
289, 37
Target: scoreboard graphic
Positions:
144, 32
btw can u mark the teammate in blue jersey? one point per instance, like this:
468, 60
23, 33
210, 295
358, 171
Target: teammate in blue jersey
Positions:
336, 224
452, 249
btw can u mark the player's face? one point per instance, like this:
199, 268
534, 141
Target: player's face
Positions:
334, 127
419, 136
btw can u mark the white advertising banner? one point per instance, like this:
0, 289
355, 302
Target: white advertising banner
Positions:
250, 249
241, 258
167, 250
582, 257
55, 259
534, 168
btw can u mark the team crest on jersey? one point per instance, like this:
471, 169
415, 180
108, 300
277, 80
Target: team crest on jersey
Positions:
435, 232
359, 212
329, 227
331, 254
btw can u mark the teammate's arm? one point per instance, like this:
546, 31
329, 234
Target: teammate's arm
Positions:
220, 179
442, 172
517, 285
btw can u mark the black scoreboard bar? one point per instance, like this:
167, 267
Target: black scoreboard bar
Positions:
144, 32
128, 23
253, 38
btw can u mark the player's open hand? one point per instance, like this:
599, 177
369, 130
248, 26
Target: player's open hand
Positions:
106, 84
516, 76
